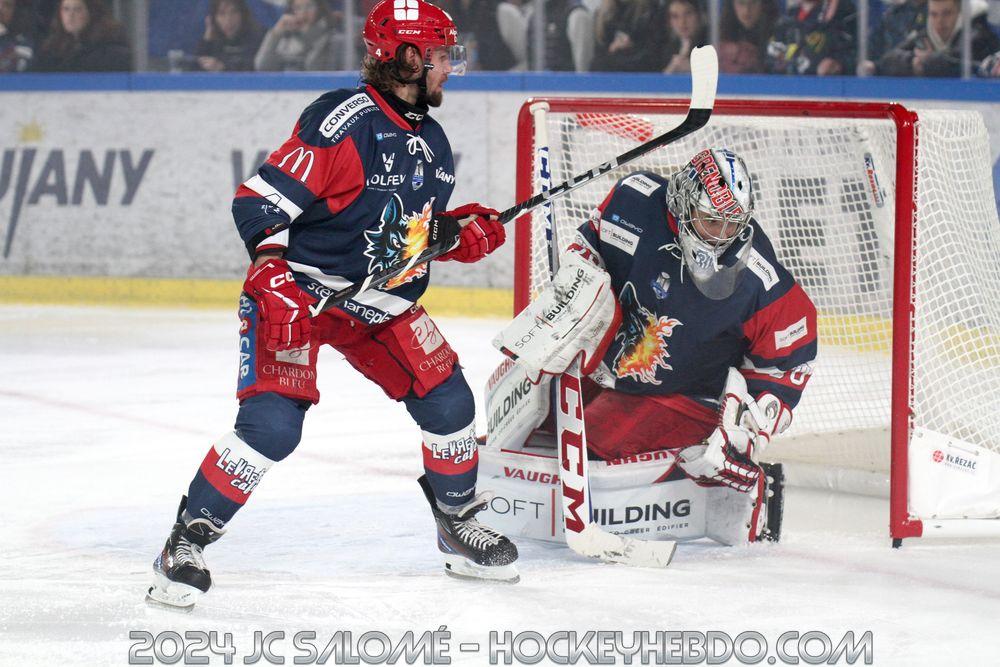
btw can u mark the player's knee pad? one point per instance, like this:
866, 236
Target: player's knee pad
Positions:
271, 424
447, 408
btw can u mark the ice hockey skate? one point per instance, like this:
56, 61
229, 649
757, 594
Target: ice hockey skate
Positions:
181, 575
472, 550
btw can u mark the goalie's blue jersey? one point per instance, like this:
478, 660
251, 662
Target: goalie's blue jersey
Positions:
350, 192
675, 340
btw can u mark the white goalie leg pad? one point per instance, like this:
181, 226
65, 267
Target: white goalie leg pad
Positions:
626, 495
514, 406
736, 517
577, 312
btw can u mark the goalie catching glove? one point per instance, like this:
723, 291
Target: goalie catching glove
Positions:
577, 312
729, 455
283, 307
477, 229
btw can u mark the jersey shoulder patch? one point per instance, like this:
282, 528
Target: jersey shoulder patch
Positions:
644, 182
763, 262
614, 233
335, 115
763, 269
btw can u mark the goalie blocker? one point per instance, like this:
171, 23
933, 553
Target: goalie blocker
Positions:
677, 494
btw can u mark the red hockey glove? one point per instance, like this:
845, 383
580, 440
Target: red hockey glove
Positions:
722, 460
283, 307
477, 227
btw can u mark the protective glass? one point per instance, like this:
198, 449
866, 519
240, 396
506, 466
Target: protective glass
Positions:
455, 55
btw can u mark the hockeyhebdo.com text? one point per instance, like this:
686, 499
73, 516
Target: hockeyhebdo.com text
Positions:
502, 647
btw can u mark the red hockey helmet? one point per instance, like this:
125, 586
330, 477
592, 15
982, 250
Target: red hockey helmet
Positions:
394, 23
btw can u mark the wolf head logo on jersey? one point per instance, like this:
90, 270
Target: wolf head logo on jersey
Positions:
643, 339
398, 238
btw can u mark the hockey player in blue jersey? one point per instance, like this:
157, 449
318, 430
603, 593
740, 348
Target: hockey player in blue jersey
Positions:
362, 183
702, 342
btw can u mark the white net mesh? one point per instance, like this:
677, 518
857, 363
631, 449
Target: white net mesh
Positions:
826, 198
956, 361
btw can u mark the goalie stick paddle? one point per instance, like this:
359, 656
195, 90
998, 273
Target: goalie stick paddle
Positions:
704, 77
582, 535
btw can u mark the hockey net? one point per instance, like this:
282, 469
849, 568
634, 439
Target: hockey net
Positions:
887, 218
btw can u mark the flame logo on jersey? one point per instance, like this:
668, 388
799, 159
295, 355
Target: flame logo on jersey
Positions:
398, 238
643, 339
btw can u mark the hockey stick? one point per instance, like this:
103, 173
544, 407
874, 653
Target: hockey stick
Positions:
704, 75
582, 535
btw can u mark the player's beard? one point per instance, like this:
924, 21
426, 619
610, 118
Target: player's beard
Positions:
435, 98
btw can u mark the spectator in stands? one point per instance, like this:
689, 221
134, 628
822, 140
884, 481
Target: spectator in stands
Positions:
569, 36
478, 24
744, 31
628, 34
84, 37
302, 39
900, 22
937, 50
512, 21
990, 68
232, 37
688, 29
17, 39
815, 37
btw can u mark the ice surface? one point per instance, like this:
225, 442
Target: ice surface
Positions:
107, 412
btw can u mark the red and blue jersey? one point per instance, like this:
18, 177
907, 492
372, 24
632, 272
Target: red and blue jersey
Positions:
675, 340
349, 193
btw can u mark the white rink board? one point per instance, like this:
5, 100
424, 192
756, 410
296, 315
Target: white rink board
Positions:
175, 220
170, 216
107, 413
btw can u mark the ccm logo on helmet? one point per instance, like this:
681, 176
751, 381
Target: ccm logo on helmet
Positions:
718, 192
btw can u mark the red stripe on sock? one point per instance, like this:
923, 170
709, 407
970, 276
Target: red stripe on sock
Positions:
220, 480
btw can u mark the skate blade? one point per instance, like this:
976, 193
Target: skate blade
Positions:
166, 594
462, 568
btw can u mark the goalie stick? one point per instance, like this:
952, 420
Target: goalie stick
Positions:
704, 75
582, 535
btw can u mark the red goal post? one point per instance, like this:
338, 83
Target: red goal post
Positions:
840, 176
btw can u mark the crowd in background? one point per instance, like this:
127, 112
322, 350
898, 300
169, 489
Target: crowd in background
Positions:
804, 37
61, 36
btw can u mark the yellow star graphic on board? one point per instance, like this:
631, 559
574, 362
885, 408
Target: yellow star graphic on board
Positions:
30, 133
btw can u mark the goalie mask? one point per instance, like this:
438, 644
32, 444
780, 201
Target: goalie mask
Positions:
712, 201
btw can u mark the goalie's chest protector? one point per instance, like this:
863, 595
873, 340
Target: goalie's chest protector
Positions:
672, 339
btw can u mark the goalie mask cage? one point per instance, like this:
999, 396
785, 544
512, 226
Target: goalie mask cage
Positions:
886, 217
